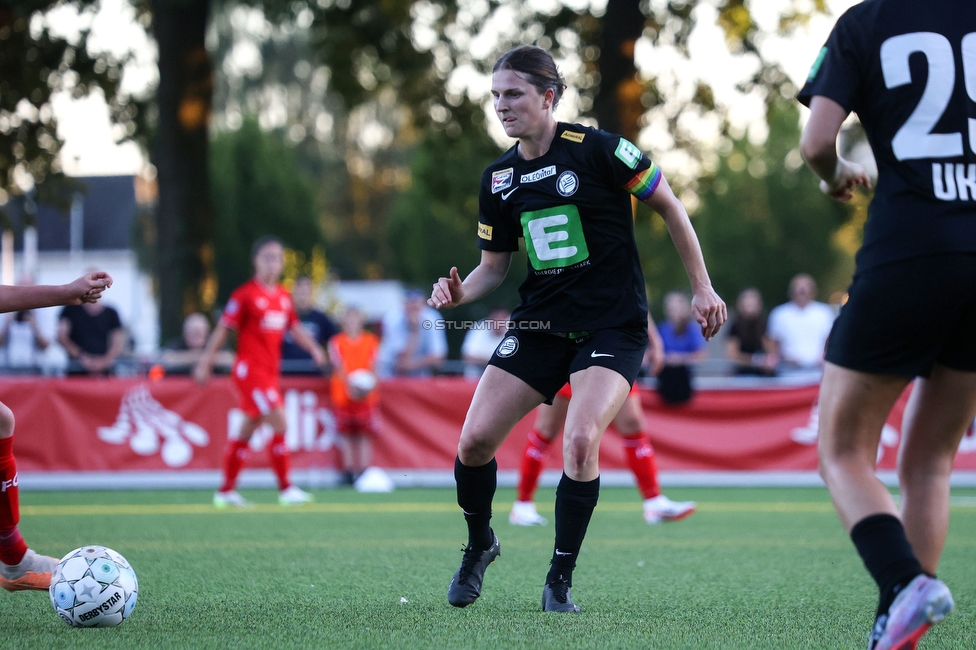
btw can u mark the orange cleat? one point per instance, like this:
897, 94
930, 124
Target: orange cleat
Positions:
33, 573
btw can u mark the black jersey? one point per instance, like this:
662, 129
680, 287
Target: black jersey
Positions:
573, 208
908, 69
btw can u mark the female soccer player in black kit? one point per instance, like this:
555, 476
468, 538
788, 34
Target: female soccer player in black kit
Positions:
908, 69
566, 189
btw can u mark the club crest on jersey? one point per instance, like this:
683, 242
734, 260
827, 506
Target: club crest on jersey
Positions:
567, 183
502, 179
539, 174
508, 347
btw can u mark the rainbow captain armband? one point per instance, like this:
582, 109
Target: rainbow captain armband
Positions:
644, 184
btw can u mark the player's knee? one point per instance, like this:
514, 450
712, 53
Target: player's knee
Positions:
6, 421
627, 424
474, 450
546, 432
915, 469
579, 449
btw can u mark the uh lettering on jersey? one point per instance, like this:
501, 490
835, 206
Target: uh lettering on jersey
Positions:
914, 139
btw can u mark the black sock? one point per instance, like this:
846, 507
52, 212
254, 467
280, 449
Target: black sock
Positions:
889, 558
475, 490
574, 507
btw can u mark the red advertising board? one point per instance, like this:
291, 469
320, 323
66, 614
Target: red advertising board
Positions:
104, 425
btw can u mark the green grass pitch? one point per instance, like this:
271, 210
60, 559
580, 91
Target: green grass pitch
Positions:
753, 568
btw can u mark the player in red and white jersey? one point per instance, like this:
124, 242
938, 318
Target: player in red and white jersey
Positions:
631, 426
20, 567
261, 311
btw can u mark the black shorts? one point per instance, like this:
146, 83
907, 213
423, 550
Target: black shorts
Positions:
545, 361
903, 317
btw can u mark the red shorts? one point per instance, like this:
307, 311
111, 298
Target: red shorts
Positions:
260, 394
566, 392
355, 418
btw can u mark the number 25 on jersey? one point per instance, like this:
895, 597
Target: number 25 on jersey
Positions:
915, 140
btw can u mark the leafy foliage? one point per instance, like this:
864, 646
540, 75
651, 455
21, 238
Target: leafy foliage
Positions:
257, 189
34, 65
763, 218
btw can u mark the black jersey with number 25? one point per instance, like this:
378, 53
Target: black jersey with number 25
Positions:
572, 206
908, 69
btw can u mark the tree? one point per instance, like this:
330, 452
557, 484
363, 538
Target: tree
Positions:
258, 190
35, 64
184, 216
763, 218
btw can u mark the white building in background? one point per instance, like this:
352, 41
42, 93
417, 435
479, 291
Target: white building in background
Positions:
96, 233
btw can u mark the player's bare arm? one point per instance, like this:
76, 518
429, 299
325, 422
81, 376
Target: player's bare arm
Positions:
201, 373
818, 145
309, 344
655, 347
483, 279
87, 288
708, 308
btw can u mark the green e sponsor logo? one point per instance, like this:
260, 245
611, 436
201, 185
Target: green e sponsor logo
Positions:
815, 68
628, 153
554, 237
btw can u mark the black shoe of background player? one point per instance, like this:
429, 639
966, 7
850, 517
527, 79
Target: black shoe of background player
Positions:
347, 479
556, 597
466, 583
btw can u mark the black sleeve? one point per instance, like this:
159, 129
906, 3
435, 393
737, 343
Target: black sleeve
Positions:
623, 164
114, 321
496, 227
837, 72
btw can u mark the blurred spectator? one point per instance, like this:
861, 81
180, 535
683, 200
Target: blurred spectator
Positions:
683, 345
182, 355
353, 355
23, 342
93, 337
747, 345
799, 328
22, 339
481, 341
413, 343
317, 324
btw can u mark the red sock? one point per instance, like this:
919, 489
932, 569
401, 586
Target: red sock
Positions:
12, 546
280, 460
640, 460
235, 455
533, 459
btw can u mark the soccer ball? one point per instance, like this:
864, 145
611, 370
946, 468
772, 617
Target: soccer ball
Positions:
93, 586
363, 380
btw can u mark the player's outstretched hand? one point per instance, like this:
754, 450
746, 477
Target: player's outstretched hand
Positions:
89, 287
710, 311
448, 292
847, 176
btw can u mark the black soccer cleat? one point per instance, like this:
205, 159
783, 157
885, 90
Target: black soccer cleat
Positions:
556, 598
466, 583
